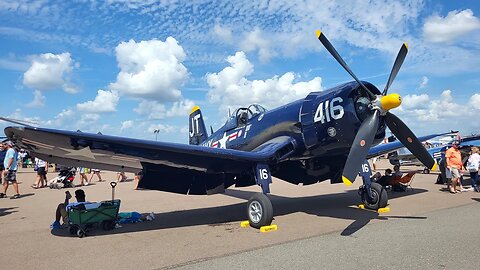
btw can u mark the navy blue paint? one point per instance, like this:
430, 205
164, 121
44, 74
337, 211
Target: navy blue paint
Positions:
286, 140
263, 177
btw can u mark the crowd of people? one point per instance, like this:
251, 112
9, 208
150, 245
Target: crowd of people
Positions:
11, 159
454, 168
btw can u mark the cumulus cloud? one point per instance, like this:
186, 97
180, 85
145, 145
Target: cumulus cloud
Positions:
126, 125
255, 41
50, 71
156, 110
161, 128
224, 33
150, 69
424, 82
441, 113
230, 88
63, 118
475, 102
105, 101
38, 100
88, 122
457, 23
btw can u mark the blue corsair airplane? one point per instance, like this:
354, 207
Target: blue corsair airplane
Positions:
326, 135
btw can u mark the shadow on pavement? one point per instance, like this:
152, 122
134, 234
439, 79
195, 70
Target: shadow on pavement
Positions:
338, 205
7, 211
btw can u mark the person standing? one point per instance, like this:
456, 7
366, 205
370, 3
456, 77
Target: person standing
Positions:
10, 164
42, 170
472, 166
97, 173
454, 165
3, 152
83, 176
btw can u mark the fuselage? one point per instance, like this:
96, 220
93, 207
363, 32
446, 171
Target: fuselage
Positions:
323, 125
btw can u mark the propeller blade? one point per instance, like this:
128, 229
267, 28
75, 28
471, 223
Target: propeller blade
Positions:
409, 140
339, 59
396, 66
361, 145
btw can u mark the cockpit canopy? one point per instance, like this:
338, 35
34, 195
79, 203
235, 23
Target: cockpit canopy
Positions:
242, 115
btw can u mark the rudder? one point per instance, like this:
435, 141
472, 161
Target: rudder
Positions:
197, 131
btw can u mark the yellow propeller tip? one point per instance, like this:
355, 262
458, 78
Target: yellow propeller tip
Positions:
194, 109
434, 167
318, 32
406, 45
346, 181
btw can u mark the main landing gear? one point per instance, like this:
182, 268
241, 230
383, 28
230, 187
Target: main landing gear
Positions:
259, 206
374, 198
373, 195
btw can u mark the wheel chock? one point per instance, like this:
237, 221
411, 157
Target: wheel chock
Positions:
383, 210
245, 224
270, 228
361, 206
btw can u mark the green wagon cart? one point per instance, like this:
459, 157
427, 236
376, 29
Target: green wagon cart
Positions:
81, 219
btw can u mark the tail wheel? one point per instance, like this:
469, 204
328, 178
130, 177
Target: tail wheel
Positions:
379, 198
259, 210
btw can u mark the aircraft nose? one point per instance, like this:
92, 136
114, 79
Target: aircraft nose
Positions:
390, 101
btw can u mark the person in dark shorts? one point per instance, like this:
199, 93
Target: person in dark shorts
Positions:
42, 169
3, 152
10, 164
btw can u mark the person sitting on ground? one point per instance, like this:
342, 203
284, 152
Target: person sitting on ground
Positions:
384, 180
62, 209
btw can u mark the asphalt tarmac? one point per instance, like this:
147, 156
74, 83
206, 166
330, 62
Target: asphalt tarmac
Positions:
320, 223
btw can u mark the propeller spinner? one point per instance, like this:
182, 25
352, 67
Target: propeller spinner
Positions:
380, 106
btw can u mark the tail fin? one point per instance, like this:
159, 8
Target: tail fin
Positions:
197, 131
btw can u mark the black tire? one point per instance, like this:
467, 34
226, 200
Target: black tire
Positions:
80, 233
426, 171
72, 229
259, 210
108, 225
379, 197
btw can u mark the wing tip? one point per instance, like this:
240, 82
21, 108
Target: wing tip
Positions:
406, 45
346, 181
318, 33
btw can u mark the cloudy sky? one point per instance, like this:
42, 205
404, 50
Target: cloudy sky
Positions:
127, 67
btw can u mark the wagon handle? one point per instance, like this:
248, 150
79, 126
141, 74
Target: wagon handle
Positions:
113, 184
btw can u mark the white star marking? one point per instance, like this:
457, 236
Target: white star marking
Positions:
84, 152
223, 141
